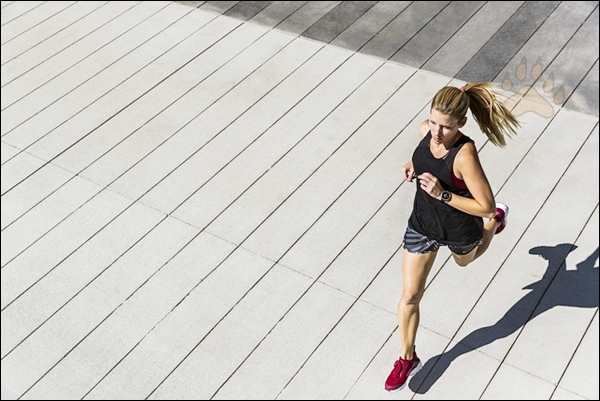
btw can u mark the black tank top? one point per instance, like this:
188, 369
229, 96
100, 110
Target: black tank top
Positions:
433, 218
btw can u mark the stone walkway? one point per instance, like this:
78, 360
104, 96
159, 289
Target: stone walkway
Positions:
202, 201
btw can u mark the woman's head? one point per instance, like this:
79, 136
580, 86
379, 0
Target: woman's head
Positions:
495, 120
444, 127
451, 101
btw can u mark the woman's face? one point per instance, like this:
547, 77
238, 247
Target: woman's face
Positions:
444, 127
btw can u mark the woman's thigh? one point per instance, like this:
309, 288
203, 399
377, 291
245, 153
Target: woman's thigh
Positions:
415, 269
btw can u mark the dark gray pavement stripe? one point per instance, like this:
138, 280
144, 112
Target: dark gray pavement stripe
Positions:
468, 40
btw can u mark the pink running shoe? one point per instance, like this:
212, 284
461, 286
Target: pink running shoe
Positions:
501, 216
402, 370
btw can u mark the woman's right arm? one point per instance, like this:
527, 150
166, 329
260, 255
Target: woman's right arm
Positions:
408, 171
424, 128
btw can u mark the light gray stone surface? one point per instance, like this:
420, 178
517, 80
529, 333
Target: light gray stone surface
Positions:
206, 207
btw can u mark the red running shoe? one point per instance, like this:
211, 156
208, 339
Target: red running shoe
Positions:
403, 369
501, 216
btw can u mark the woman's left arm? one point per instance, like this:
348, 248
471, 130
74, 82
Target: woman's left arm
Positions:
468, 168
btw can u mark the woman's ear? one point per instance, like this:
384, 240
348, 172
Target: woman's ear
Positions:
462, 122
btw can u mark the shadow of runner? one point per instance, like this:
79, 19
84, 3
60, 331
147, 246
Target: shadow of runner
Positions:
579, 288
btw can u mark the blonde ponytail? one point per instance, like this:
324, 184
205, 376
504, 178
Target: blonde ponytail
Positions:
493, 118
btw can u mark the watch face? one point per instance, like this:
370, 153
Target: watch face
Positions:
446, 195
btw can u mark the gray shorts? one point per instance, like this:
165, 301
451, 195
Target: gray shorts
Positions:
415, 242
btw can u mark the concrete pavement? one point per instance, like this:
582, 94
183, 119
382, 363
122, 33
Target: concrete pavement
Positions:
201, 200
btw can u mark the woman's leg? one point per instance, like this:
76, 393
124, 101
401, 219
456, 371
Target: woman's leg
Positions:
415, 268
489, 230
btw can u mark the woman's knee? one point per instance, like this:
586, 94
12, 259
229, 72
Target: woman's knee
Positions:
411, 298
462, 260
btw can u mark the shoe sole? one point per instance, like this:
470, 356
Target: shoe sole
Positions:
412, 373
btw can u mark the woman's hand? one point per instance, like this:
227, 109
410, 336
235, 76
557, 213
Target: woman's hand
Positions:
408, 171
430, 184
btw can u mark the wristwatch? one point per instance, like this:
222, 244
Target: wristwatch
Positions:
446, 196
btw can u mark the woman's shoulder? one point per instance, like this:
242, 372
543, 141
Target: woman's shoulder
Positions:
424, 128
467, 151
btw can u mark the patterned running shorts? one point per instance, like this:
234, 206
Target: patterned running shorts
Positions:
415, 242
